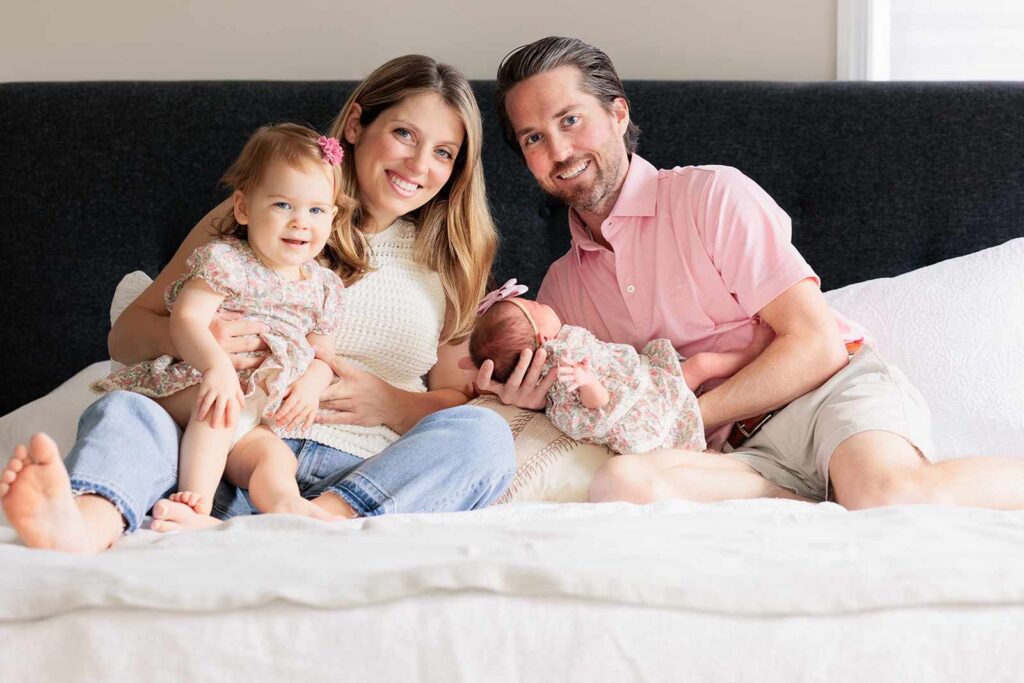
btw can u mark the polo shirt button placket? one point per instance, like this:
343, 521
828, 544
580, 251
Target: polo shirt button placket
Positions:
630, 289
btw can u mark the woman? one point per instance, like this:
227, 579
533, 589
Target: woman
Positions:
414, 257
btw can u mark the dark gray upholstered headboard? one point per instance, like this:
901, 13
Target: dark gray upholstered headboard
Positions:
99, 179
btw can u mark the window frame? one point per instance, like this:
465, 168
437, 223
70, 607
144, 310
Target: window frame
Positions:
862, 40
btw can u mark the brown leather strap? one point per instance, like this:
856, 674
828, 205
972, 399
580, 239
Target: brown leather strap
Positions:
744, 429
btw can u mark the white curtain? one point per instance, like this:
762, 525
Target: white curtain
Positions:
956, 40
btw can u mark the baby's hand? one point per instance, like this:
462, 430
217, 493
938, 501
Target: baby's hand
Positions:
220, 396
576, 376
299, 405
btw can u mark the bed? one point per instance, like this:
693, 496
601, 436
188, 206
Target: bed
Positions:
906, 198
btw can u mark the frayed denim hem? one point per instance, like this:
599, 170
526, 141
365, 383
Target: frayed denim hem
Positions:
360, 497
80, 487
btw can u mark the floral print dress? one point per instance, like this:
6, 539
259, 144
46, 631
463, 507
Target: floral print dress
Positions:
291, 311
649, 404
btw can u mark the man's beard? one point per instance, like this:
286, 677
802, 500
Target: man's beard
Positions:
591, 198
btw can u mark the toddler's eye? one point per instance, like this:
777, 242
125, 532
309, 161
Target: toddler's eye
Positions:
282, 205
316, 210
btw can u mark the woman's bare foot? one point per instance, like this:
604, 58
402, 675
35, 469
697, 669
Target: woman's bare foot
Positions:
38, 502
301, 506
172, 515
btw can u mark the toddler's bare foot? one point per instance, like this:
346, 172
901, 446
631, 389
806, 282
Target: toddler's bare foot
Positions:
171, 515
193, 500
37, 499
301, 506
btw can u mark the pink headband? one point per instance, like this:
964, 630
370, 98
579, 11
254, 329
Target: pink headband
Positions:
533, 323
331, 152
506, 291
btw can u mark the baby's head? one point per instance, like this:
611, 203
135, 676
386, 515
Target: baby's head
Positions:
287, 193
508, 327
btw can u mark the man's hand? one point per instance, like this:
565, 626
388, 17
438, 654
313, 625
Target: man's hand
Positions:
239, 338
525, 387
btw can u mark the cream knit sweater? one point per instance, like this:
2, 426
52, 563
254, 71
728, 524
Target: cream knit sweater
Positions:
391, 323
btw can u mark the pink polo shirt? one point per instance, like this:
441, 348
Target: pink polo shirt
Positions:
697, 252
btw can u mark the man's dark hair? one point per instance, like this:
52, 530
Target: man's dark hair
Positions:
597, 77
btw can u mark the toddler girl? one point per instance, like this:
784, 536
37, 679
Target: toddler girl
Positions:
606, 393
287, 195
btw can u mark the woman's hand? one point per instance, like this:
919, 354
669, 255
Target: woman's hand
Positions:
359, 397
525, 387
220, 397
240, 338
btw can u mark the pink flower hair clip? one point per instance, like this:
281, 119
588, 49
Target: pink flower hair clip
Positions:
506, 291
330, 150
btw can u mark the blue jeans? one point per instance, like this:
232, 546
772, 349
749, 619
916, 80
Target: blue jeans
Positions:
455, 459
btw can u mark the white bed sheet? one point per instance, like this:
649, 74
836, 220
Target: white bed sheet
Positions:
473, 637
757, 590
752, 558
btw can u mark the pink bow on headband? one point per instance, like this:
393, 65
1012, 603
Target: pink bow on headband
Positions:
331, 150
506, 291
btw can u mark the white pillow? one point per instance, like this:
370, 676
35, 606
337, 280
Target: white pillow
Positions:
956, 329
550, 466
127, 291
56, 413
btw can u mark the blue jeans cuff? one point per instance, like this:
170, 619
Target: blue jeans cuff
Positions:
365, 497
115, 497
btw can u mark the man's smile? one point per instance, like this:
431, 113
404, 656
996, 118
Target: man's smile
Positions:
574, 171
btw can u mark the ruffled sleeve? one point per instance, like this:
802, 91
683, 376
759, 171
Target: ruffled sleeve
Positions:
330, 314
221, 265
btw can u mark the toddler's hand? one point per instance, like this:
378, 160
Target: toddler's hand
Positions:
576, 376
220, 396
299, 405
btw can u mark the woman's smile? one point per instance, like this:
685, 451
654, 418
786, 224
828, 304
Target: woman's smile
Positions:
404, 157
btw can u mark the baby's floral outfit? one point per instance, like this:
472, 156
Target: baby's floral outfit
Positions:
291, 310
649, 404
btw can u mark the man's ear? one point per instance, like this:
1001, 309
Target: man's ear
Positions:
619, 110
466, 363
352, 127
240, 207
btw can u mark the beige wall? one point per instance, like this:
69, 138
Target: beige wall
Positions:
321, 39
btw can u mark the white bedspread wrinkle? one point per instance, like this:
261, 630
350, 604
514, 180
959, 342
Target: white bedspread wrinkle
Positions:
737, 558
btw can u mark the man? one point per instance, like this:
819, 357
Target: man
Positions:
693, 254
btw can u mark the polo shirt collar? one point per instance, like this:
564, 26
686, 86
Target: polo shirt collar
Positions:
639, 197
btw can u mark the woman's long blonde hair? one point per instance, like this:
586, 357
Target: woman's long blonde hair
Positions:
455, 234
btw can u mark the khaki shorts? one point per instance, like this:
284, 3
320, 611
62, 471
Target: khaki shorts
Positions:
795, 447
